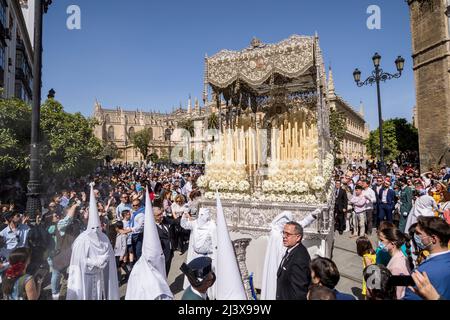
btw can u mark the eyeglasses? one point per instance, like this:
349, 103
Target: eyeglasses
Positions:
135, 206
287, 234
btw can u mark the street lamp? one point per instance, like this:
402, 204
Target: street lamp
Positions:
33, 187
377, 76
51, 94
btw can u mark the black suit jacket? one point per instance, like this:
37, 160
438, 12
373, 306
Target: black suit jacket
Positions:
165, 236
341, 200
294, 276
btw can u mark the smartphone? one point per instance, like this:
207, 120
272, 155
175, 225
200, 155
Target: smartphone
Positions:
41, 273
401, 281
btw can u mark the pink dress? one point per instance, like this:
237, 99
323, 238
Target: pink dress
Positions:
399, 266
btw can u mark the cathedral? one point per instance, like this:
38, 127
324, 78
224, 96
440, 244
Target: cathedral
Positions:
118, 126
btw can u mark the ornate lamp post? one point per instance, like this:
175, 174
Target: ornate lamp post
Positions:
33, 187
377, 76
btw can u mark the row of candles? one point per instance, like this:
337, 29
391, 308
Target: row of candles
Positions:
291, 141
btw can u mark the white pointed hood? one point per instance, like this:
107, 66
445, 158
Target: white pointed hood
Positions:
92, 270
229, 281
94, 219
148, 279
151, 246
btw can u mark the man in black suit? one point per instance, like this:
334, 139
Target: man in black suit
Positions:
387, 201
340, 207
294, 276
164, 231
376, 187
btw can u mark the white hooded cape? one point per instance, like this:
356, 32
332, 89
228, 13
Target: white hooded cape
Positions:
423, 206
276, 250
202, 243
148, 278
229, 281
92, 270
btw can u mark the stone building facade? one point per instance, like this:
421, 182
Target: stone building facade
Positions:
118, 125
16, 48
430, 30
357, 131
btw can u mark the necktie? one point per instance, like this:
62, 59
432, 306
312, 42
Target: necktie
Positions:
284, 258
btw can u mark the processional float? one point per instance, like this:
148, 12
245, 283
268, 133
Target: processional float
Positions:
273, 150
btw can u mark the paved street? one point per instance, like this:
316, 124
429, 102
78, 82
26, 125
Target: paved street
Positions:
349, 264
344, 255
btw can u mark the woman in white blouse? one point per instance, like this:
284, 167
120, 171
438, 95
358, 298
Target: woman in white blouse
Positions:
178, 208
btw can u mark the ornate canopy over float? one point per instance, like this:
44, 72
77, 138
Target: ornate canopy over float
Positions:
273, 152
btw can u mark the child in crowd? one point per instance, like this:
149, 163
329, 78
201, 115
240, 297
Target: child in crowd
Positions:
126, 216
120, 250
365, 250
358, 201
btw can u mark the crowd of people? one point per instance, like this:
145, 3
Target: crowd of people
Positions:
119, 195
404, 207
407, 211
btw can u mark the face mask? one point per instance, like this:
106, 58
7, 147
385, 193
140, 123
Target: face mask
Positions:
420, 243
382, 246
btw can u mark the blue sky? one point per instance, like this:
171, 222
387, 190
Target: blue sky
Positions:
149, 54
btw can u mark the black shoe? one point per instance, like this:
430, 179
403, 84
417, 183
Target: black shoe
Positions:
341, 232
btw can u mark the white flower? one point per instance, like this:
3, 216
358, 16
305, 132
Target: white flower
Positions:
301, 187
289, 186
202, 182
243, 185
213, 185
224, 185
209, 195
317, 183
267, 186
310, 199
278, 186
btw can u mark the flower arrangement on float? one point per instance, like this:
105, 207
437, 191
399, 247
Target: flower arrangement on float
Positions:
287, 181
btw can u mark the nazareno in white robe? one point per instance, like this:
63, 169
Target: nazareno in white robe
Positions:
202, 242
275, 252
92, 270
148, 279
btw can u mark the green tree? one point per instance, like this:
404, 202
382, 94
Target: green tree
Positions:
187, 125
110, 151
69, 146
407, 135
337, 130
153, 157
399, 137
15, 131
141, 141
213, 121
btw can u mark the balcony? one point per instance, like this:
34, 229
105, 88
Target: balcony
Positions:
4, 34
25, 79
20, 46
